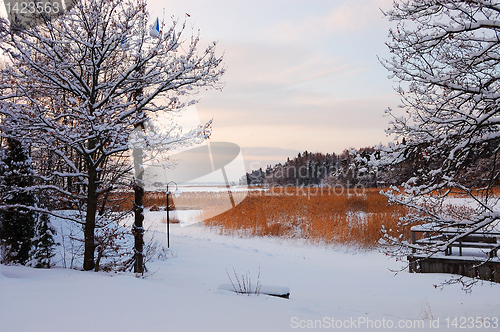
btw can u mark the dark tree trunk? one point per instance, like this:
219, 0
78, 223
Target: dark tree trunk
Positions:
138, 229
88, 257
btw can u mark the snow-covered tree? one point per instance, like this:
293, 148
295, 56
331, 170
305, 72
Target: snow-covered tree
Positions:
446, 56
17, 223
43, 243
78, 85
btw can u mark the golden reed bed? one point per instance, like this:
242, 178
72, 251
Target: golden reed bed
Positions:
349, 217
330, 218
353, 217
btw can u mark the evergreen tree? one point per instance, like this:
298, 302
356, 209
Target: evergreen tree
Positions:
16, 223
43, 243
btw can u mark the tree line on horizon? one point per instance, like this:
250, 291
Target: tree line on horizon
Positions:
354, 168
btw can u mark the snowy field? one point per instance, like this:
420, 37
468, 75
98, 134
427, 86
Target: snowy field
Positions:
330, 288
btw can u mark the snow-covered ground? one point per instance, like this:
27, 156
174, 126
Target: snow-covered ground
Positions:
330, 287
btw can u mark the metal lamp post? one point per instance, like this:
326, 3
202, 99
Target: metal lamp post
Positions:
168, 211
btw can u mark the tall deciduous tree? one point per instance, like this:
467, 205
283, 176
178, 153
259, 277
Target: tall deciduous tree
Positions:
446, 56
71, 88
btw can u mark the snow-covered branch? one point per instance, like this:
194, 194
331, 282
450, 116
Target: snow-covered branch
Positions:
77, 86
445, 56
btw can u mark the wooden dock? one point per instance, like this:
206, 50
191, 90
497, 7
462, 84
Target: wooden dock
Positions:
465, 266
482, 264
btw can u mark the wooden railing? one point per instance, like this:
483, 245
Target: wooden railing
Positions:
430, 235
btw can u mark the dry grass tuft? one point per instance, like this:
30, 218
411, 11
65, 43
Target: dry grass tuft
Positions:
172, 220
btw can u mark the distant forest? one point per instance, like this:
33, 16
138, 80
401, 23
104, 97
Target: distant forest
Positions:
351, 169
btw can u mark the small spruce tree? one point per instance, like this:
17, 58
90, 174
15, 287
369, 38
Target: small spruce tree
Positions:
17, 222
43, 243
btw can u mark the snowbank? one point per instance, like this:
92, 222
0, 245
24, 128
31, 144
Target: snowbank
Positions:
180, 294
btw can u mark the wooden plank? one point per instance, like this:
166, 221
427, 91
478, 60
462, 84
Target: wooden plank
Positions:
487, 271
477, 240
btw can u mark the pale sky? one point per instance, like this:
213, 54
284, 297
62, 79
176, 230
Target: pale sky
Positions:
301, 75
